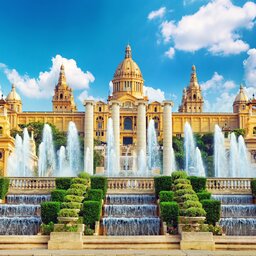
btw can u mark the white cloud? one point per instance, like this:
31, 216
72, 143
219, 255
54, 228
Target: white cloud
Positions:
43, 85
85, 96
217, 83
154, 94
157, 13
250, 68
170, 53
215, 27
110, 86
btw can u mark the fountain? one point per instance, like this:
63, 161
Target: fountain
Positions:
87, 161
46, 162
142, 164
19, 163
111, 156
153, 160
193, 160
62, 162
73, 150
130, 215
238, 164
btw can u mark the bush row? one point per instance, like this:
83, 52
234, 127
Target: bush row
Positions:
4, 186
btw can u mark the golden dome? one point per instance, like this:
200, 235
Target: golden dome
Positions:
13, 95
241, 96
128, 68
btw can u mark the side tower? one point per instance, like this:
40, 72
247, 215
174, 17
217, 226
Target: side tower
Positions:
241, 101
63, 99
13, 101
192, 99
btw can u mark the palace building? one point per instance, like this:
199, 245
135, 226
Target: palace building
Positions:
128, 93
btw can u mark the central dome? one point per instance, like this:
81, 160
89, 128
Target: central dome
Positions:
128, 79
128, 68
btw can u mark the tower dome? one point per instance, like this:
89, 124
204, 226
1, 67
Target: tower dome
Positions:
13, 100
241, 96
241, 100
128, 77
13, 95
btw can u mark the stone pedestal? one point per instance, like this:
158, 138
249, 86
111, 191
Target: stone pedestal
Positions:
197, 241
167, 137
66, 241
141, 128
115, 114
88, 135
99, 170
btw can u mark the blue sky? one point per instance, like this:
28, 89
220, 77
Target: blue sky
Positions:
89, 37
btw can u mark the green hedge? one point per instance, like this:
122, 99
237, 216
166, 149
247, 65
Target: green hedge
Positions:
63, 183
198, 183
213, 209
4, 186
253, 186
99, 182
162, 183
73, 198
79, 181
166, 196
75, 192
49, 212
58, 195
195, 212
95, 195
179, 175
91, 212
169, 212
204, 195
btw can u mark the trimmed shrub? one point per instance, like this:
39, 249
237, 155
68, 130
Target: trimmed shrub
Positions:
162, 183
182, 192
195, 212
95, 195
75, 191
169, 212
198, 183
179, 175
58, 195
183, 186
253, 186
191, 197
4, 186
63, 183
84, 175
79, 181
203, 195
46, 229
213, 209
189, 204
72, 198
166, 196
91, 212
99, 182
49, 212
181, 181
79, 186
68, 213
71, 205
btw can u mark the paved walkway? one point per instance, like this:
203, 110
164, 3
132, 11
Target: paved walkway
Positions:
123, 253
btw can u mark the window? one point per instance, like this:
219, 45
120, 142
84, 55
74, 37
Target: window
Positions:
61, 96
194, 97
128, 123
1, 131
99, 109
155, 109
254, 131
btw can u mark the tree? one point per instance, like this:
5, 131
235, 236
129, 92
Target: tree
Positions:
239, 132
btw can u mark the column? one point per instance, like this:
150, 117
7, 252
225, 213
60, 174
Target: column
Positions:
167, 137
141, 127
115, 114
88, 136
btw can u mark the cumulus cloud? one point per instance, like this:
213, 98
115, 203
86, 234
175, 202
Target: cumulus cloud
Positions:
43, 85
214, 27
157, 13
217, 83
170, 53
154, 94
85, 96
250, 68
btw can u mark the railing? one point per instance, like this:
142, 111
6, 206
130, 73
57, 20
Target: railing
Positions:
38, 185
130, 185
229, 185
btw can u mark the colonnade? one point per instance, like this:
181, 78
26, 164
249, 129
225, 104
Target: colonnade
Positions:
141, 132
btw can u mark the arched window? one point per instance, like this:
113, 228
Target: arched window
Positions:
194, 97
1, 131
128, 123
99, 121
61, 96
155, 109
157, 122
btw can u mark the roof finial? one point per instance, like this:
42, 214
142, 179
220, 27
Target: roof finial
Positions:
193, 79
128, 51
62, 77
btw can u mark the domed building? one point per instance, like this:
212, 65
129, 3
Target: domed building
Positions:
128, 95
